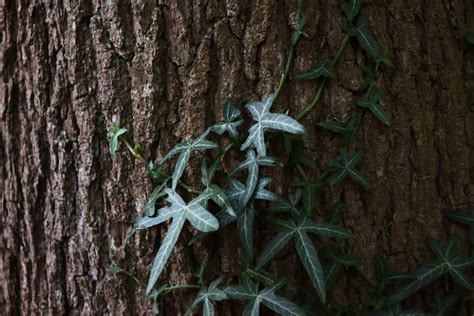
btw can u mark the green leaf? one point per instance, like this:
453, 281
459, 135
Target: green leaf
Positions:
263, 194
149, 208
279, 304
267, 121
252, 308
320, 69
324, 229
346, 166
469, 36
164, 214
274, 247
380, 266
353, 8
229, 125
155, 173
309, 259
114, 134
237, 292
462, 262
260, 276
364, 37
460, 217
461, 278
421, 278
208, 308
201, 219
244, 227
372, 103
309, 193
369, 76
165, 250
220, 198
184, 150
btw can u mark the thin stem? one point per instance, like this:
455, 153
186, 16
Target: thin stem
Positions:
179, 287
187, 188
285, 72
130, 148
289, 61
317, 97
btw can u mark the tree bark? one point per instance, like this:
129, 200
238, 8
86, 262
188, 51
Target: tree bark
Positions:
162, 69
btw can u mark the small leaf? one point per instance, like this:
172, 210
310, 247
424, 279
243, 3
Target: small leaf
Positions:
267, 121
364, 37
114, 134
372, 103
320, 69
149, 208
274, 247
179, 168
353, 8
346, 166
230, 111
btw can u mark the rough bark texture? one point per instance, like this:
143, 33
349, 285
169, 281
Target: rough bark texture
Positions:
162, 69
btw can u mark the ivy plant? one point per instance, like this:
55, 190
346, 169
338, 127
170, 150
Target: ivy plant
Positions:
242, 194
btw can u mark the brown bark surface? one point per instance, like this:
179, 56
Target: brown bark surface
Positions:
163, 69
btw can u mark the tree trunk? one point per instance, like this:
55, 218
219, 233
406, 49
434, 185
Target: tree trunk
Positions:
162, 69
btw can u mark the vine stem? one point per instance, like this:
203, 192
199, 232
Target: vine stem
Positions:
319, 93
130, 148
285, 72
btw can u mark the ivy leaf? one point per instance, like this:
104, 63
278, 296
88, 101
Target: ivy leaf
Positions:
344, 128
361, 31
309, 193
199, 217
346, 166
244, 227
279, 304
290, 205
295, 149
114, 134
460, 217
252, 164
324, 229
300, 23
260, 276
372, 103
422, 277
263, 194
320, 69
309, 259
220, 198
369, 76
206, 296
461, 278
184, 150
165, 250
266, 121
353, 8
469, 36
385, 59
266, 296
229, 125
274, 247
149, 208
